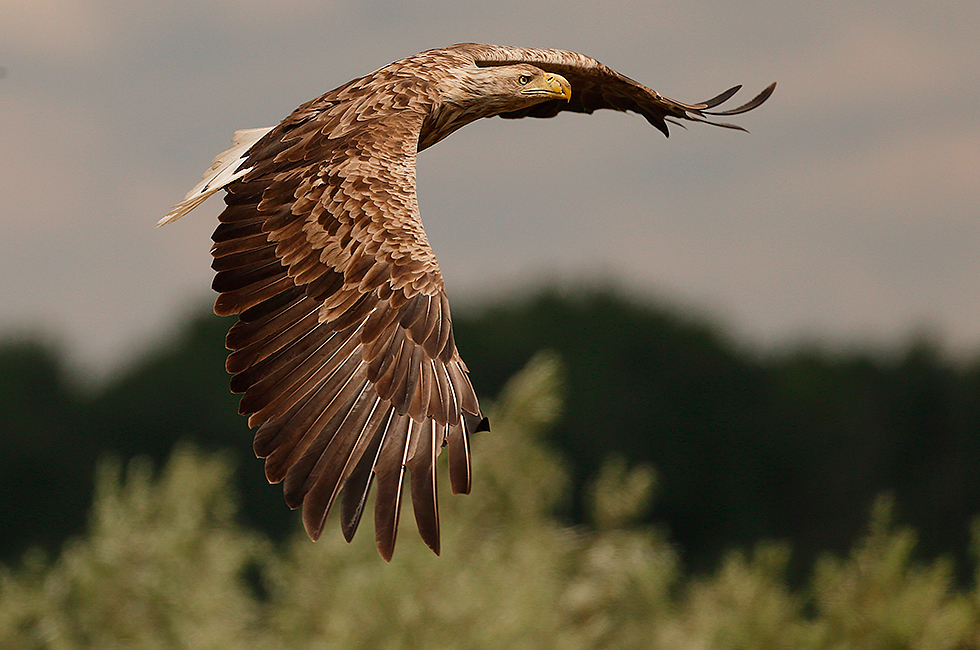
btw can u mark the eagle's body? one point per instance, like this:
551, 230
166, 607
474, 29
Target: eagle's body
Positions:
344, 348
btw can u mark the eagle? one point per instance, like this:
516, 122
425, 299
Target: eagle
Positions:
343, 349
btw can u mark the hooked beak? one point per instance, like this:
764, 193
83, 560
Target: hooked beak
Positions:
551, 86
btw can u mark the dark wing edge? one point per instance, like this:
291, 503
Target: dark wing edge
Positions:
596, 86
346, 360
697, 112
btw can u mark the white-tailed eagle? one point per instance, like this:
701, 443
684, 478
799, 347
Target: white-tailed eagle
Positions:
344, 347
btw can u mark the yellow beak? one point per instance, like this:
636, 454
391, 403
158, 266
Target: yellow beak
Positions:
551, 86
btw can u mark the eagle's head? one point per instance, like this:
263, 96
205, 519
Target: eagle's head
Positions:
503, 88
467, 92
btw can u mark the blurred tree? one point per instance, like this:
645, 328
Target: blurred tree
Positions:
651, 387
793, 446
46, 467
165, 564
180, 394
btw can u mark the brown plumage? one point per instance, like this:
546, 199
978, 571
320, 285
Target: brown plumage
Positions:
344, 347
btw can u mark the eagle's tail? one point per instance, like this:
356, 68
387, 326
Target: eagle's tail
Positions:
225, 168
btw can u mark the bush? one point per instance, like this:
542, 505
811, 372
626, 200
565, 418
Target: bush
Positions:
165, 564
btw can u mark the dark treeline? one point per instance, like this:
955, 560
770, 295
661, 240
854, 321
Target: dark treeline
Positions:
747, 447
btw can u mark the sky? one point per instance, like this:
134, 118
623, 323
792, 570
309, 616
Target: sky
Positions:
850, 215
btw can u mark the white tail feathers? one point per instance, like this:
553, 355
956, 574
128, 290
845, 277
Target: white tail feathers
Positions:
224, 169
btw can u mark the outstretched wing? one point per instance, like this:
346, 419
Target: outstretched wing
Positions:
344, 347
596, 86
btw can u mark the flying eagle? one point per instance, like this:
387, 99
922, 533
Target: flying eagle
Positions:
344, 347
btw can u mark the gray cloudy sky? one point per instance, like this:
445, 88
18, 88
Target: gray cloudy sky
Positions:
849, 214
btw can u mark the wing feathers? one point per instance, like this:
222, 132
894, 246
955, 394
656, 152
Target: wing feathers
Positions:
359, 482
251, 256
378, 322
245, 243
389, 471
255, 274
259, 351
396, 371
319, 405
330, 425
271, 400
446, 409
716, 100
753, 103
337, 461
232, 234
462, 389
596, 86
422, 475
268, 319
458, 448
234, 302
252, 351
344, 349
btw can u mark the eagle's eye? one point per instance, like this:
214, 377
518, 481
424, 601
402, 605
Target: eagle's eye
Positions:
524, 79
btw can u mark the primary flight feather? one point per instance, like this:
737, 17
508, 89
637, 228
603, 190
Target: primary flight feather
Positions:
344, 348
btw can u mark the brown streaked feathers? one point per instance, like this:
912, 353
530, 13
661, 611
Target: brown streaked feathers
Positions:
344, 349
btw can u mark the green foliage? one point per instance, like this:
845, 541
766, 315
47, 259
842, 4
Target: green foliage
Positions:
792, 446
878, 598
160, 567
745, 605
165, 564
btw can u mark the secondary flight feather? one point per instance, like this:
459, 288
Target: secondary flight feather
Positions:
343, 348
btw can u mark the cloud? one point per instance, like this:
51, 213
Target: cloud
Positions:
850, 207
